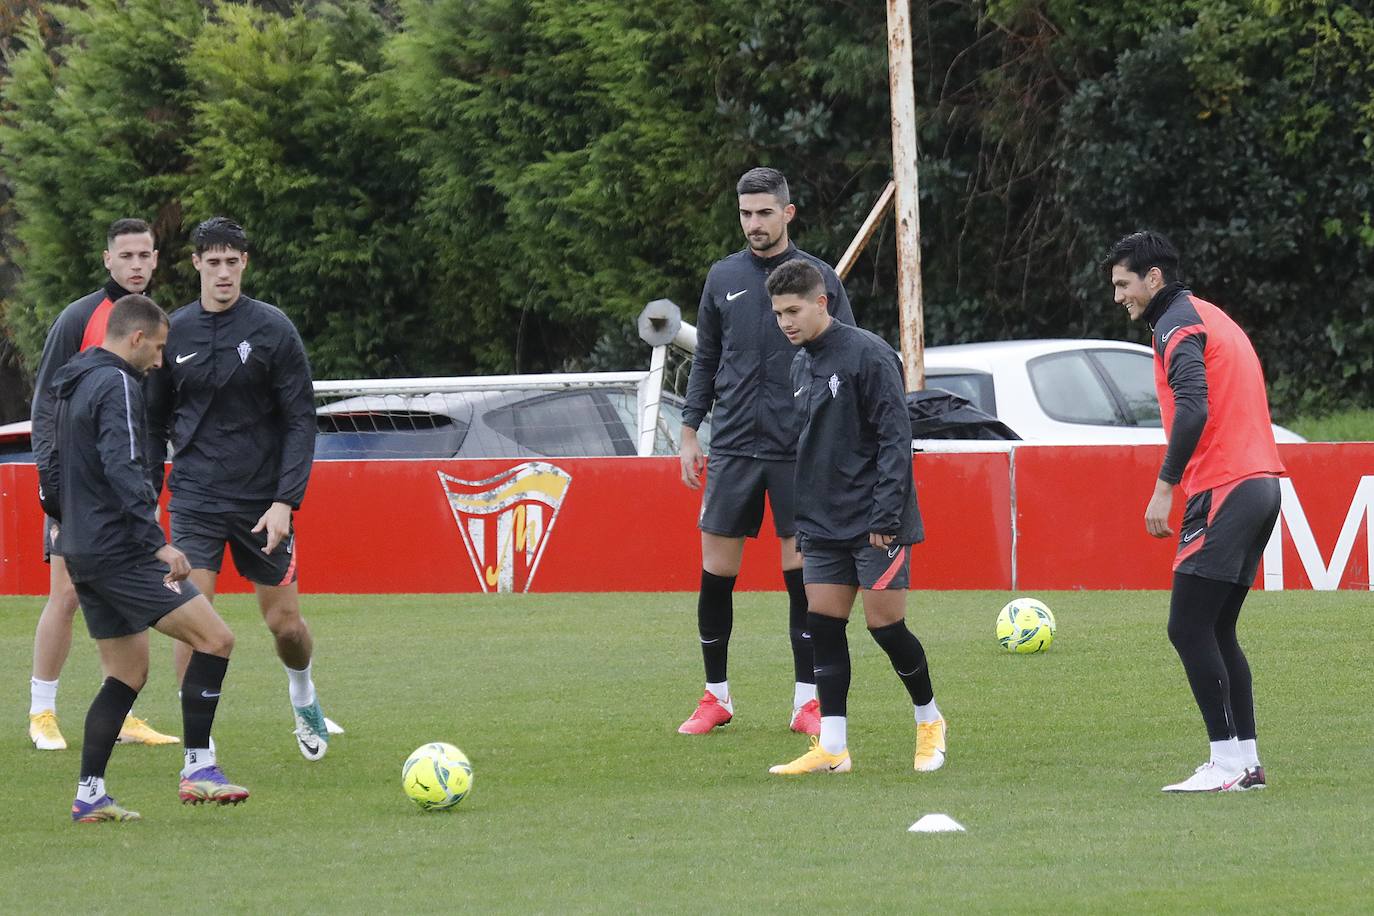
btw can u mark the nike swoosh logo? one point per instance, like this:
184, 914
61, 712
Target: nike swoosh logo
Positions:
797, 393
208, 695
731, 297
707, 642
836, 766
1189, 537
181, 359
312, 748
1170, 333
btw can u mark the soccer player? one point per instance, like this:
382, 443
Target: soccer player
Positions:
97, 482
1222, 454
856, 511
740, 365
236, 401
130, 257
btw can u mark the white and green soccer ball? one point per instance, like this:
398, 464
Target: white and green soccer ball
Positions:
436, 776
1025, 625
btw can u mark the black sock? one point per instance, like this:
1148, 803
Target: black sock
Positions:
831, 648
908, 659
803, 660
200, 690
1237, 667
715, 619
1194, 609
103, 721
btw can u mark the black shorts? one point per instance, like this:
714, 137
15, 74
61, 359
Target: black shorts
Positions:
1225, 530
867, 567
733, 503
131, 600
50, 534
202, 536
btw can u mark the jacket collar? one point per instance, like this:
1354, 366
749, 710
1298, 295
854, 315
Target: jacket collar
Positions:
769, 263
114, 292
1162, 300
826, 340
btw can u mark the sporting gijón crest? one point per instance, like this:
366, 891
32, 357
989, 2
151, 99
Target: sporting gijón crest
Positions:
506, 520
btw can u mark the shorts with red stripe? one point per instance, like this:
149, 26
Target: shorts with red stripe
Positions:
866, 566
1225, 530
202, 536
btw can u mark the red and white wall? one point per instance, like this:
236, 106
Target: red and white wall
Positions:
1037, 517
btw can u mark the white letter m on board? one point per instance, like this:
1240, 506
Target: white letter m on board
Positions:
1322, 576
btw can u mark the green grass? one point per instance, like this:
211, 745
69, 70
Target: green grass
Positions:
1344, 426
587, 801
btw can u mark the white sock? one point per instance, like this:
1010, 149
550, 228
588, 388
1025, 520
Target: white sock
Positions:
42, 696
198, 758
302, 687
1249, 752
802, 694
721, 692
928, 712
90, 789
1228, 754
834, 734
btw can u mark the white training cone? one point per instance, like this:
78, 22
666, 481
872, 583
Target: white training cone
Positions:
936, 823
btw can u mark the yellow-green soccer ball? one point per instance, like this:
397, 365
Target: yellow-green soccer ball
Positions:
437, 776
1025, 625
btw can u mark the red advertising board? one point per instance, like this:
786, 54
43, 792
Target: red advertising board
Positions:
557, 525
1080, 518
1038, 517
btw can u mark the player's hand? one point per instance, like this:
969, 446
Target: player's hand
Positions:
1157, 512
277, 522
693, 460
881, 541
178, 566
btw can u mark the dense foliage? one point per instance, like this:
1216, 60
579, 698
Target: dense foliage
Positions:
451, 186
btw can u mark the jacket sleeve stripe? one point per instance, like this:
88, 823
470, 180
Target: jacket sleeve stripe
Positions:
129, 417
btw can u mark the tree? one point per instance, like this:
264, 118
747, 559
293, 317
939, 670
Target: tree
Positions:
1233, 135
284, 142
91, 132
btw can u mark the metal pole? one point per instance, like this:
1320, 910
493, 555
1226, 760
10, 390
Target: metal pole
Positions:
901, 84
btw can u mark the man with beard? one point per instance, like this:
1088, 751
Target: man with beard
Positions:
740, 367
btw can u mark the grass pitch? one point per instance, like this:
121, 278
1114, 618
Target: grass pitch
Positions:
586, 800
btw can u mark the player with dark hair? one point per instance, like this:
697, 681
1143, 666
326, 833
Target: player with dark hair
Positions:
856, 511
95, 480
740, 366
1222, 454
130, 257
236, 401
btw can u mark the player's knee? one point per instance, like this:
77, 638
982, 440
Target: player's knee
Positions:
220, 642
1181, 634
64, 600
288, 627
134, 677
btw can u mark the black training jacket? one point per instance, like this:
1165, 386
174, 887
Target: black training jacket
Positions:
235, 400
741, 360
854, 455
79, 326
99, 461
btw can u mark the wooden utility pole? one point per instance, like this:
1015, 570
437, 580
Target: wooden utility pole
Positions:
870, 226
901, 85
